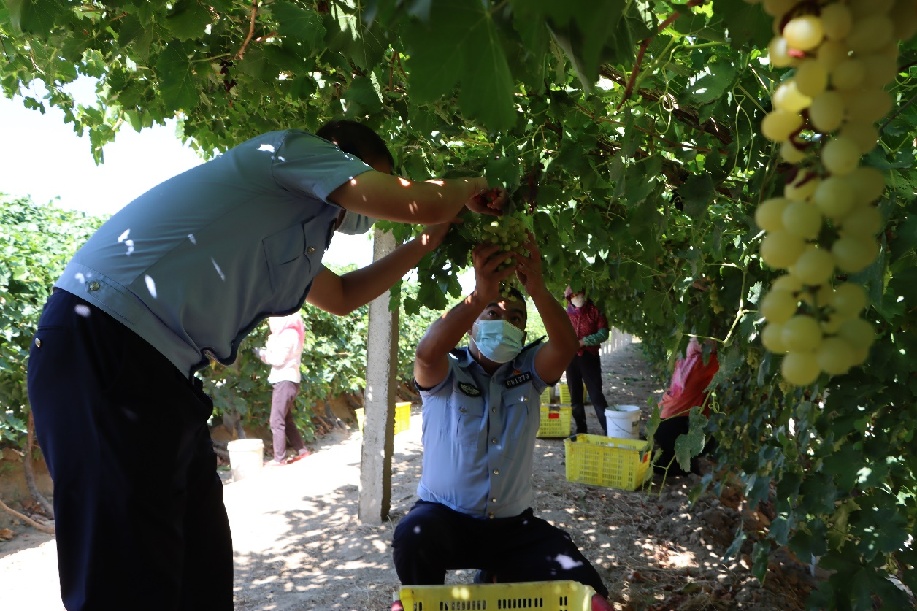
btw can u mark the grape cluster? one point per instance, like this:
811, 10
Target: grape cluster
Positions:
823, 227
509, 232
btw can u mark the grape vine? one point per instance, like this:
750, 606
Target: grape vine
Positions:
823, 228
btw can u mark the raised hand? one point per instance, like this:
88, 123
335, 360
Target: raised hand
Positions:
490, 201
529, 267
489, 271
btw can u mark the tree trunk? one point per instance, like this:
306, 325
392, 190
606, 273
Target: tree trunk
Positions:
46, 506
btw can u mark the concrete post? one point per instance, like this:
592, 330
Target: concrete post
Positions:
375, 495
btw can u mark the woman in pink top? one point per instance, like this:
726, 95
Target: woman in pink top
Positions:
687, 389
283, 353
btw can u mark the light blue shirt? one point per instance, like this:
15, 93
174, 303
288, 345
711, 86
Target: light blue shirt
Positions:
193, 264
479, 436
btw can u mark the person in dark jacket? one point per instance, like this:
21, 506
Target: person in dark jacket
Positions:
586, 368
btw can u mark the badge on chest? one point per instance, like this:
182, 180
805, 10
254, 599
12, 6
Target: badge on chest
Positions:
469, 389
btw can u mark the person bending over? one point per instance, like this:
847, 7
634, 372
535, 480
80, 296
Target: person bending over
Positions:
481, 413
176, 278
688, 388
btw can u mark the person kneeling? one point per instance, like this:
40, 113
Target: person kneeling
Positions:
481, 413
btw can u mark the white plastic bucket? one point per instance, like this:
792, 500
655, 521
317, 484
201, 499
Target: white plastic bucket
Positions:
623, 421
246, 457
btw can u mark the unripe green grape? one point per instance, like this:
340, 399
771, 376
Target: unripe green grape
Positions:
868, 183
802, 219
869, 34
834, 197
848, 74
780, 249
840, 155
818, 296
803, 32
858, 332
769, 213
904, 16
779, 125
777, 8
853, 254
830, 53
849, 299
814, 266
772, 339
880, 70
799, 368
864, 135
791, 153
864, 8
788, 97
834, 356
868, 105
778, 53
788, 283
826, 112
801, 333
836, 21
802, 187
863, 222
811, 77
778, 306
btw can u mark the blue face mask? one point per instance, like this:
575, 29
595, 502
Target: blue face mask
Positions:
498, 340
354, 223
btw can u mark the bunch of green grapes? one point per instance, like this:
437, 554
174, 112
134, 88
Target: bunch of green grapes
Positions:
824, 226
509, 232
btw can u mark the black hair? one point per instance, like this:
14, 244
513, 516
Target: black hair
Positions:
356, 139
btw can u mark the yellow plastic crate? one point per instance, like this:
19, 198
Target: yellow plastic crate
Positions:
547, 395
544, 595
564, 391
555, 421
607, 461
402, 416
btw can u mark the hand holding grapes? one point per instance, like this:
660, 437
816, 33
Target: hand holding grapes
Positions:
490, 270
488, 201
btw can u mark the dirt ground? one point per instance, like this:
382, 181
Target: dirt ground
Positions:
300, 546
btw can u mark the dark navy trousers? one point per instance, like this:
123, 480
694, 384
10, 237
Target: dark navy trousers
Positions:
433, 538
139, 516
586, 369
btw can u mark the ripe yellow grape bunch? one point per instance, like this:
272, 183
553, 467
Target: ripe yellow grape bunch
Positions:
824, 226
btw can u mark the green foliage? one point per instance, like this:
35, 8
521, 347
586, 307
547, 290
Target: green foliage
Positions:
36, 241
640, 177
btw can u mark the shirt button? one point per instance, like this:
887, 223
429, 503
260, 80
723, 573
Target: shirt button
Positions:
493, 440
310, 250
94, 285
490, 515
496, 471
493, 410
493, 500
37, 343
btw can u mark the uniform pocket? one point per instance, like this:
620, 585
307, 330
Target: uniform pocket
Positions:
287, 263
